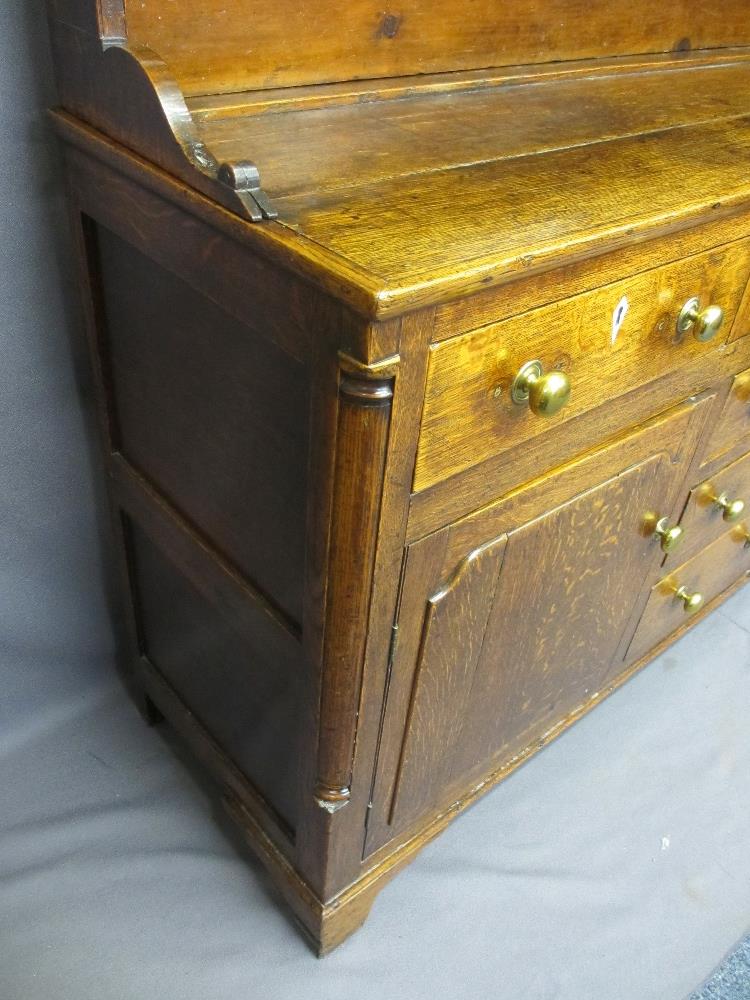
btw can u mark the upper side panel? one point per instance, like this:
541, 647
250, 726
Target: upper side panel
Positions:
213, 416
221, 46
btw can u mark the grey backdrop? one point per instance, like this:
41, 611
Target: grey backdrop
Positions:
614, 866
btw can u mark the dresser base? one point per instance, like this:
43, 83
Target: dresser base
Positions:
327, 924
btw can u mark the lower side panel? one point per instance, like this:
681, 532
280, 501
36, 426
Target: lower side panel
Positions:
241, 686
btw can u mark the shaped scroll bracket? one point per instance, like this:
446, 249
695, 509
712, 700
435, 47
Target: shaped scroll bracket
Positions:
127, 92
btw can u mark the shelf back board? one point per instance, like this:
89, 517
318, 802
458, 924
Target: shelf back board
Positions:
226, 46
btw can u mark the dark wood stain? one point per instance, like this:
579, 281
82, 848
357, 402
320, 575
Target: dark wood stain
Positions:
182, 370
389, 25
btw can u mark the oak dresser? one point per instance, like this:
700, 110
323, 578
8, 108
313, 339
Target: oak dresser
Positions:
421, 341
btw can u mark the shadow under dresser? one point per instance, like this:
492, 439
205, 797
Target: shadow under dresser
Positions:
421, 342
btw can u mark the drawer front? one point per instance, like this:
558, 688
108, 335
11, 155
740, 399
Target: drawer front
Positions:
607, 341
714, 506
709, 574
733, 423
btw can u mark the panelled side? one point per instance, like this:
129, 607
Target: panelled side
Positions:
207, 428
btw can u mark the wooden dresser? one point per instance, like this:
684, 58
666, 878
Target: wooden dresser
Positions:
421, 339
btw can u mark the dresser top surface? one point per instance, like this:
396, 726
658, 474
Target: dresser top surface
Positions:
407, 158
428, 191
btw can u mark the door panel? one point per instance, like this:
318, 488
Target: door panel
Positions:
511, 617
451, 641
561, 606
733, 423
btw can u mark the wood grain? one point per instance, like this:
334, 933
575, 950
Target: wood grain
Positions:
316, 96
481, 484
450, 644
733, 423
238, 45
452, 232
356, 145
496, 303
469, 414
183, 369
701, 519
710, 573
330, 269
534, 596
364, 421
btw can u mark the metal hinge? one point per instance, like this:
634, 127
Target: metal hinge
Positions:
392, 646
243, 177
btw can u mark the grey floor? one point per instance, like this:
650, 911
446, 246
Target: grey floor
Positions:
613, 866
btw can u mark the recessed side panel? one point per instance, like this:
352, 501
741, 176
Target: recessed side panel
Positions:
242, 685
214, 416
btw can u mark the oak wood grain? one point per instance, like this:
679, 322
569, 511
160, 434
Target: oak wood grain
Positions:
237, 45
357, 145
608, 342
450, 645
339, 274
733, 423
510, 617
429, 237
364, 421
393, 855
496, 303
701, 519
710, 573
243, 103
479, 485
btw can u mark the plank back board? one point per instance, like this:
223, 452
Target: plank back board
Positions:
223, 46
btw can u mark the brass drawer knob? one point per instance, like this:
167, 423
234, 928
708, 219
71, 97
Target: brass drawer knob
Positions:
704, 323
690, 602
545, 394
671, 535
731, 510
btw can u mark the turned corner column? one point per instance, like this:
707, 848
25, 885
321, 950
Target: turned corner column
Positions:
365, 395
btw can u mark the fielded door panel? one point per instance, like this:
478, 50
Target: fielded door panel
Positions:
510, 618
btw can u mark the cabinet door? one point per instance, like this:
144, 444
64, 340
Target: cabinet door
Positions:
509, 618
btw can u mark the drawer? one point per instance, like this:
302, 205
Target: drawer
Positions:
708, 574
607, 341
733, 423
713, 506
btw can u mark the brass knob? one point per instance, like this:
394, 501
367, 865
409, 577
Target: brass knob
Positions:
704, 323
741, 534
731, 510
545, 394
671, 537
690, 602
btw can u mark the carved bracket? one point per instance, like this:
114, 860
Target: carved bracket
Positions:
128, 92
